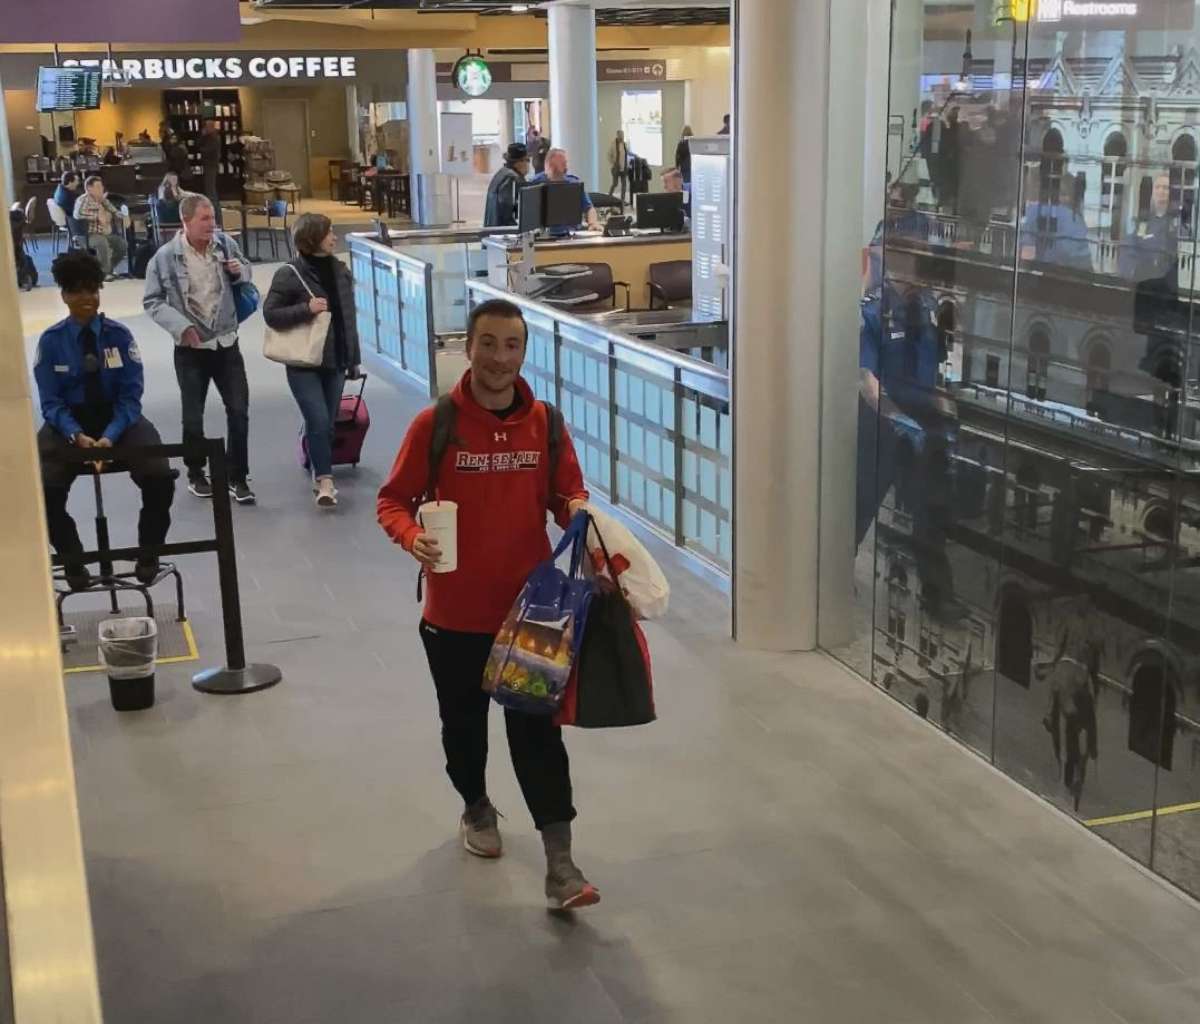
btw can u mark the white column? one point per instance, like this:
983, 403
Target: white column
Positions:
799, 104
353, 139
574, 116
878, 52
423, 141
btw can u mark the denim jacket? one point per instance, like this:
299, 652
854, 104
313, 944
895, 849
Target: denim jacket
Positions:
165, 298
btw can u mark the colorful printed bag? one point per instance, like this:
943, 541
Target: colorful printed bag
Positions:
536, 647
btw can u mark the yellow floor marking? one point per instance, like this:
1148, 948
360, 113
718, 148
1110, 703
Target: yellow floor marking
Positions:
1119, 819
193, 654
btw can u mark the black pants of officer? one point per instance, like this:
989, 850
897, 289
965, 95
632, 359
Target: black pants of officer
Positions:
153, 475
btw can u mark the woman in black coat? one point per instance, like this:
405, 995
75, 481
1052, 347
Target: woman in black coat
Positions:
318, 391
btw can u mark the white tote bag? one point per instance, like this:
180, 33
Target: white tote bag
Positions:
302, 345
638, 575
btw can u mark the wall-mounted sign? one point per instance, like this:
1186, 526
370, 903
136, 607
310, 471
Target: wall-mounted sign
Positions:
472, 75
1057, 10
234, 69
1083, 14
631, 70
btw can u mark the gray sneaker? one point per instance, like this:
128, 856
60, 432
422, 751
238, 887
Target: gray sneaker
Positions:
480, 830
566, 888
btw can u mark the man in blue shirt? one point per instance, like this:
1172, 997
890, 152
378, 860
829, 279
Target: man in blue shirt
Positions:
556, 170
89, 378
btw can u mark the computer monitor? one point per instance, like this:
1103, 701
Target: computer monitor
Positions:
564, 204
531, 208
661, 210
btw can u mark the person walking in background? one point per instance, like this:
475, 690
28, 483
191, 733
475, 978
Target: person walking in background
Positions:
210, 161
166, 202
539, 154
618, 160
313, 283
504, 188
683, 154
189, 294
95, 211
176, 156
724, 125
501, 538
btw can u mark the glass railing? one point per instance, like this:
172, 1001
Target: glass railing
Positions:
411, 295
651, 425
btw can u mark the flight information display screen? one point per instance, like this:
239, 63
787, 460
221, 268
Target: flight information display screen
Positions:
68, 89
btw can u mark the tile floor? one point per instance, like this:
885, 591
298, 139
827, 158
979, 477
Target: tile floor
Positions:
785, 844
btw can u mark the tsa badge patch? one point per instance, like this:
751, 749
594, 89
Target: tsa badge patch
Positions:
135, 354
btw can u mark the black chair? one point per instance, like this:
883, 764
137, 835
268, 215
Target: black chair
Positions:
584, 292
670, 282
606, 205
121, 179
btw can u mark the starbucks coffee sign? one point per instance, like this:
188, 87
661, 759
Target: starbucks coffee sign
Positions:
233, 69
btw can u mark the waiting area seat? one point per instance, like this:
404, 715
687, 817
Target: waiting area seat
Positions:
585, 287
670, 282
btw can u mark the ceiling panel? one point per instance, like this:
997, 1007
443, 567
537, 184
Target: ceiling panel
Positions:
612, 12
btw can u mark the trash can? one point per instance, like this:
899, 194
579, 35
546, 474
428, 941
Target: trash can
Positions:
127, 651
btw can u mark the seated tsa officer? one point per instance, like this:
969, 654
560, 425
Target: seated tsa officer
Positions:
89, 378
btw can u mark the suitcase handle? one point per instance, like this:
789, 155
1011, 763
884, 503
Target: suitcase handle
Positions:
361, 388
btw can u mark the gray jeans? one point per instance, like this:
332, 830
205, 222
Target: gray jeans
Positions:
109, 250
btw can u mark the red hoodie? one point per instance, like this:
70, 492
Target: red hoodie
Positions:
498, 476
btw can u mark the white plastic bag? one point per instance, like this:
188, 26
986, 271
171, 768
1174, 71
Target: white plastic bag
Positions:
640, 578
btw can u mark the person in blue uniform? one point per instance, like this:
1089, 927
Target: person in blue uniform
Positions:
89, 379
557, 170
906, 431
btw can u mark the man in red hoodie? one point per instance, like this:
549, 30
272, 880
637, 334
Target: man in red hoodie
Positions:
497, 469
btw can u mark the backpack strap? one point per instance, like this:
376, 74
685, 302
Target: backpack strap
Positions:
554, 435
445, 419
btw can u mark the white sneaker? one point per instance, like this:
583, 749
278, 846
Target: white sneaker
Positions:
326, 493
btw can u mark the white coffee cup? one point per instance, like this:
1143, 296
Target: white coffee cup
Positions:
439, 519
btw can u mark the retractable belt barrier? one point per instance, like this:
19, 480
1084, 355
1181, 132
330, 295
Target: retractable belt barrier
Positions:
236, 676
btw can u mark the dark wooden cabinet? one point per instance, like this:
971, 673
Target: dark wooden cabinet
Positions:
188, 109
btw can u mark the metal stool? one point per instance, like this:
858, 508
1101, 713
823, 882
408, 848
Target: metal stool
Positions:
110, 581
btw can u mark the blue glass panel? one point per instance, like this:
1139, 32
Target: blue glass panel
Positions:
622, 389
708, 427
708, 479
689, 419
668, 459
691, 472
726, 434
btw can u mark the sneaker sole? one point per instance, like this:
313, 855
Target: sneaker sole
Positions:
192, 490
475, 851
243, 501
588, 898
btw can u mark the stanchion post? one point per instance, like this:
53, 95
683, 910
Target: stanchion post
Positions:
236, 676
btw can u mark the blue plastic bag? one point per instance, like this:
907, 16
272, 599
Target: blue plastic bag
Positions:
536, 648
245, 300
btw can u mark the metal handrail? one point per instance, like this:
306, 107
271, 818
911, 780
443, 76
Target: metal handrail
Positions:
429, 235
700, 376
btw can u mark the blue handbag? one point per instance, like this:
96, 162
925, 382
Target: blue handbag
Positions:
245, 297
536, 648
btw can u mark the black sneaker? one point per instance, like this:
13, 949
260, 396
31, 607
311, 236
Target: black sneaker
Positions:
199, 485
241, 493
146, 570
78, 577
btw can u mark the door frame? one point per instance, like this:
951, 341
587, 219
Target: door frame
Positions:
266, 104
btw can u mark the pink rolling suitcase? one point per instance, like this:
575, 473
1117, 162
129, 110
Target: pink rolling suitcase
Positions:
349, 430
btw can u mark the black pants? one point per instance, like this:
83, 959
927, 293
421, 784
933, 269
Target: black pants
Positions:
621, 176
195, 368
152, 475
457, 661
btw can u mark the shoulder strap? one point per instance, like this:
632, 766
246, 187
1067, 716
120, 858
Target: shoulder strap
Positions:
554, 436
445, 419
296, 271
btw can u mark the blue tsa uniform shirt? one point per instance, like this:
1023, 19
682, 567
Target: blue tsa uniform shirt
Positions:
89, 378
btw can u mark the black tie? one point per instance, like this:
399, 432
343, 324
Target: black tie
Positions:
93, 391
